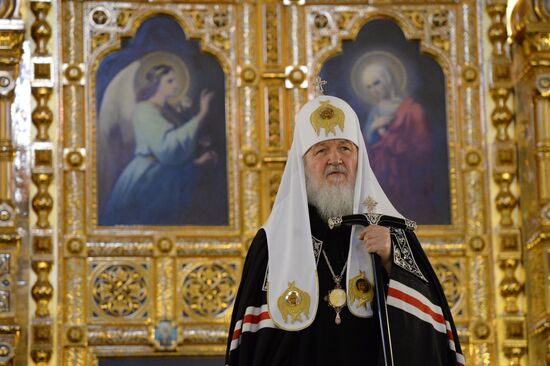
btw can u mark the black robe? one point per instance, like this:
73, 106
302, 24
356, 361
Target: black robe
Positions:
255, 340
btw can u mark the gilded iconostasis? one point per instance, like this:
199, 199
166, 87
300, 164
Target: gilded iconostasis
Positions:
142, 144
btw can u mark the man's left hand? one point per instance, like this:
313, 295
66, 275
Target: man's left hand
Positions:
377, 240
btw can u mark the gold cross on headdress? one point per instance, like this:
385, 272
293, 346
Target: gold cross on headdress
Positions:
370, 204
318, 83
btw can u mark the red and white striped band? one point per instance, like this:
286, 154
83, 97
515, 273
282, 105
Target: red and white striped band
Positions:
413, 302
255, 318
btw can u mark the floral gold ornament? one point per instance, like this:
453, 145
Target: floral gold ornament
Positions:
328, 117
360, 289
119, 290
209, 290
293, 302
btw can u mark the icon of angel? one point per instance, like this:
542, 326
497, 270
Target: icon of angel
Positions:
149, 155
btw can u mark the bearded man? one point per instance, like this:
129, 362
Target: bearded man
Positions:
306, 294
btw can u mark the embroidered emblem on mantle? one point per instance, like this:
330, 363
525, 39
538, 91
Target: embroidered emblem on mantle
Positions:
402, 254
293, 302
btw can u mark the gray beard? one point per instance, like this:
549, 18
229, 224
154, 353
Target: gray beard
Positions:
329, 200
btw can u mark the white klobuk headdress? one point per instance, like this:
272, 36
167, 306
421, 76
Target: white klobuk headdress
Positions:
293, 290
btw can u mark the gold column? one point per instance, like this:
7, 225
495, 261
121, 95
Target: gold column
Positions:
42, 334
11, 40
531, 45
510, 322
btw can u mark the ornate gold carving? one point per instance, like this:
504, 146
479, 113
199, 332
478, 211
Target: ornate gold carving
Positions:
469, 74
515, 329
43, 158
74, 304
505, 200
510, 288
212, 247
42, 290
274, 182
251, 202
126, 336
7, 213
417, 17
509, 242
42, 334
504, 174
165, 245
502, 115
75, 334
75, 246
296, 77
497, 30
40, 29
477, 243
439, 18
482, 330
99, 39
42, 245
208, 290
449, 273
6, 9
165, 288
42, 202
272, 34
543, 84
320, 20
222, 41
100, 16
343, 19
248, 75
74, 158
122, 247
250, 158
7, 151
473, 158
119, 290
74, 356
198, 18
514, 354
42, 115
274, 116
73, 73
41, 356
204, 334
321, 43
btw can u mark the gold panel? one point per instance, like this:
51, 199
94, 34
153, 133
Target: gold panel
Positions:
119, 290
206, 289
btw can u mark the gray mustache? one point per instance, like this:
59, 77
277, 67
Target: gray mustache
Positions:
335, 169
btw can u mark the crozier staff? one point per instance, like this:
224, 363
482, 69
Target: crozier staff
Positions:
306, 295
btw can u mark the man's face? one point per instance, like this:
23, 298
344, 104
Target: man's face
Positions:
332, 163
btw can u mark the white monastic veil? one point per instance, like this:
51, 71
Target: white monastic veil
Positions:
291, 258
